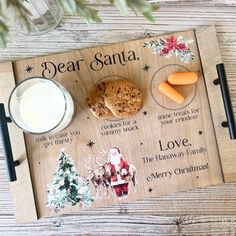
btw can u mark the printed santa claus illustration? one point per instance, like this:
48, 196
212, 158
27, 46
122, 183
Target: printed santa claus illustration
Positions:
119, 169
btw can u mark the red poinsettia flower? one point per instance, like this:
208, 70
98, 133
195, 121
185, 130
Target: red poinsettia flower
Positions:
182, 46
172, 43
165, 50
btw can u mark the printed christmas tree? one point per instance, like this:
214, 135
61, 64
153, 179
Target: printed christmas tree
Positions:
67, 188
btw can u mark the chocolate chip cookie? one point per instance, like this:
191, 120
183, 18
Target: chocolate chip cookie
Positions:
96, 101
123, 98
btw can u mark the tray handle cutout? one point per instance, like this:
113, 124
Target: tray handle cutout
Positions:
11, 164
222, 80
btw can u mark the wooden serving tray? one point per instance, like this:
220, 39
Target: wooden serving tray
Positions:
173, 147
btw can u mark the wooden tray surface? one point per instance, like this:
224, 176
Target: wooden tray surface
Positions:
192, 130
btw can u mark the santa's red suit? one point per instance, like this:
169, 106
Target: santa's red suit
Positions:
119, 172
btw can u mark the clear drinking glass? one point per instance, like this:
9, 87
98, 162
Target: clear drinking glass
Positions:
38, 105
44, 16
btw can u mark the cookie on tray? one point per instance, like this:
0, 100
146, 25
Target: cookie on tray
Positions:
123, 98
96, 101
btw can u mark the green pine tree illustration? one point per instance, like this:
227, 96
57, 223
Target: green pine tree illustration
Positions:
67, 188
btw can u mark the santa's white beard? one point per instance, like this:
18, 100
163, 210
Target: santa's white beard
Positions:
115, 159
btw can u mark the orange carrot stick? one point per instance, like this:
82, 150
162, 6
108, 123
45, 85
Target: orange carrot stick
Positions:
171, 93
182, 78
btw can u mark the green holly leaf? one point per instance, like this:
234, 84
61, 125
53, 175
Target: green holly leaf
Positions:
3, 34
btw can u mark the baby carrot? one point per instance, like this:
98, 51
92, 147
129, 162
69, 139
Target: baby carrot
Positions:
182, 78
171, 93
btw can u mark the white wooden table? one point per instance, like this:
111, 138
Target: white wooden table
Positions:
210, 210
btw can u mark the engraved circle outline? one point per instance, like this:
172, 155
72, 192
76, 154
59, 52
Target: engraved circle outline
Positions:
153, 97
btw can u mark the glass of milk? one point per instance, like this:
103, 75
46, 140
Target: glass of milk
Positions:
38, 105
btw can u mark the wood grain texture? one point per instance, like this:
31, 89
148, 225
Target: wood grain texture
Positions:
80, 81
204, 211
21, 190
210, 57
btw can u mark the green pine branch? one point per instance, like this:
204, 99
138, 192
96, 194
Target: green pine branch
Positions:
81, 8
3, 34
136, 5
74, 7
20, 13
